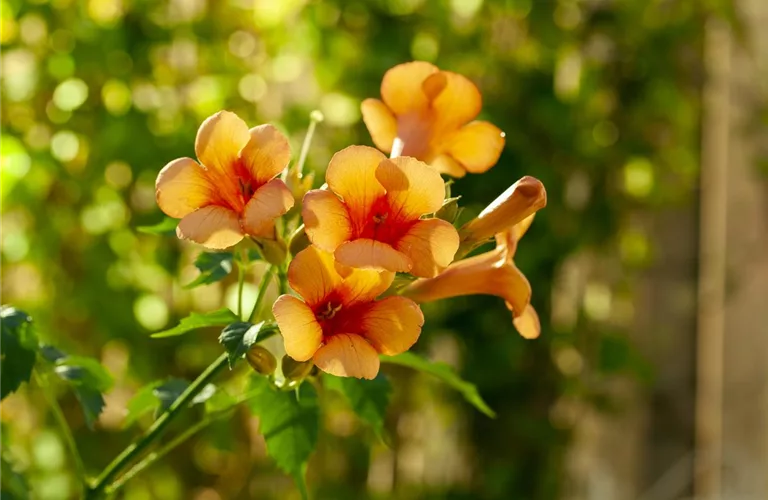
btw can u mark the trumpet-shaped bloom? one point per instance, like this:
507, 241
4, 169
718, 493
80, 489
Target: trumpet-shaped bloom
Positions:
232, 191
371, 215
429, 112
490, 273
339, 324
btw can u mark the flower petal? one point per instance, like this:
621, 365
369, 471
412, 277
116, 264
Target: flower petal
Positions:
362, 285
348, 355
219, 141
326, 219
372, 254
476, 146
431, 245
313, 275
413, 187
266, 153
302, 334
381, 123
509, 238
401, 87
269, 202
351, 174
212, 226
458, 103
392, 325
527, 324
448, 166
182, 187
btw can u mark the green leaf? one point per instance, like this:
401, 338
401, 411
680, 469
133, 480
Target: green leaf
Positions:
367, 398
166, 226
18, 349
195, 321
237, 338
290, 423
446, 374
168, 392
91, 402
219, 401
159, 395
84, 372
213, 267
14, 485
141, 403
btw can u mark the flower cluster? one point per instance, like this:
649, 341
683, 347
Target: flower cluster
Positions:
375, 216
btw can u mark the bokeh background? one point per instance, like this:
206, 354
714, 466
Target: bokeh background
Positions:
649, 269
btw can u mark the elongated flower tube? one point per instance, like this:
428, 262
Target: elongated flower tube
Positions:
232, 191
490, 273
339, 324
370, 217
426, 113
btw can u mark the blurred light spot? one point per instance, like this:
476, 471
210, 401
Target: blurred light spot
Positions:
252, 87
569, 361
70, 94
64, 145
38, 136
56, 114
635, 247
19, 70
62, 41
425, 47
269, 13
118, 174
286, 68
567, 16
116, 96
638, 177
61, 66
206, 493
48, 451
122, 242
206, 96
327, 14
597, 301
568, 73
15, 245
105, 12
182, 54
605, 133
14, 159
242, 44
8, 27
404, 7
466, 8
250, 292
519, 8
578, 190
100, 218
340, 110
356, 15
145, 96
114, 356
33, 29
151, 312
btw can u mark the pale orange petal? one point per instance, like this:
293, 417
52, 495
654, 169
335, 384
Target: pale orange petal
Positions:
509, 238
362, 285
431, 245
302, 334
401, 87
381, 123
212, 226
448, 166
476, 146
458, 103
527, 324
269, 202
413, 187
372, 254
351, 174
182, 187
313, 275
266, 154
219, 141
326, 219
517, 291
392, 325
348, 355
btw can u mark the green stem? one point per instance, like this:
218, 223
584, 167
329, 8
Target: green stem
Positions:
262, 293
241, 281
58, 415
157, 428
314, 118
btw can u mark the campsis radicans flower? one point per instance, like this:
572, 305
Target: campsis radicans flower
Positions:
339, 324
370, 216
233, 191
427, 113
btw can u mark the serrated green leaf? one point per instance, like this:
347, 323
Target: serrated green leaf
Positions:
157, 396
166, 226
237, 338
446, 374
143, 402
290, 424
213, 267
18, 349
219, 401
84, 372
194, 321
51, 354
367, 398
167, 392
92, 403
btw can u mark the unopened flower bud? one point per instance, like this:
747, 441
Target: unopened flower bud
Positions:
298, 241
296, 370
274, 251
261, 360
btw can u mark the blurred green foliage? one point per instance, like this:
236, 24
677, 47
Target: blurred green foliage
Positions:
599, 100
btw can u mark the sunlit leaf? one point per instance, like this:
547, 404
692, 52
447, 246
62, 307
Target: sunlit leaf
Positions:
238, 337
168, 392
290, 423
213, 267
141, 403
194, 321
446, 374
85, 372
18, 348
367, 398
159, 395
166, 226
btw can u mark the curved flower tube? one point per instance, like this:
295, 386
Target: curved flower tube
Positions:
490, 273
371, 215
232, 191
339, 324
428, 112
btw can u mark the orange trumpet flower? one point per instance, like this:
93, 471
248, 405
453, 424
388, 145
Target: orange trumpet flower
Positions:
426, 113
490, 273
232, 191
371, 215
339, 324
